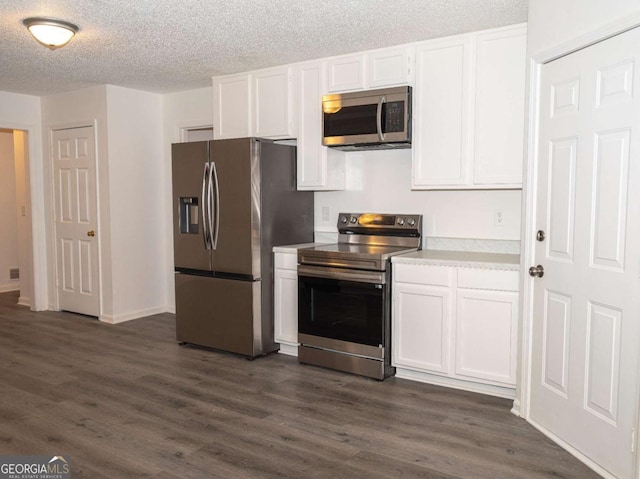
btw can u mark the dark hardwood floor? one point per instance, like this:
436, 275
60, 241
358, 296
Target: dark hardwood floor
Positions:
125, 401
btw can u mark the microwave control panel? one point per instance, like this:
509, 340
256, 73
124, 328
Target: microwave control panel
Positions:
394, 116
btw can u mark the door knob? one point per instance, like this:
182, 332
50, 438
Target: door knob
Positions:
540, 235
536, 271
91, 233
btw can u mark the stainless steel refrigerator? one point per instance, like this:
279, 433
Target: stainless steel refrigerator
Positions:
233, 201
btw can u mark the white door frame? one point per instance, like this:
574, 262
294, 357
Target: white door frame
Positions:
39, 281
522, 401
51, 214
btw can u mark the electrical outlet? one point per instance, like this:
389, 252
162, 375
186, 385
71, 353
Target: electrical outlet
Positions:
498, 218
326, 213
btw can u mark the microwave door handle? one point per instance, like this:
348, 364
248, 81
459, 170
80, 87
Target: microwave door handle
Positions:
203, 208
381, 101
216, 207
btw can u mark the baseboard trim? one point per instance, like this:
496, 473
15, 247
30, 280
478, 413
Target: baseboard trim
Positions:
288, 349
24, 301
516, 409
121, 318
489, 389
11, 286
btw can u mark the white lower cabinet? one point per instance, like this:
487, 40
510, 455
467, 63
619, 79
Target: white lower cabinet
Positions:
285, 302
456, 326
486, 334
421, 339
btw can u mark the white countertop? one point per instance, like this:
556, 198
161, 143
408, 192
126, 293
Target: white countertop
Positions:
293, 248
467, 259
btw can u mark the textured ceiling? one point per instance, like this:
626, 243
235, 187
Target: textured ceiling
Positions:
172, 45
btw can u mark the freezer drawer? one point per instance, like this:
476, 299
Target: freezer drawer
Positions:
219, 313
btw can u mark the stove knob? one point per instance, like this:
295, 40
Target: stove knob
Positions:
411, 222
400, 221
354, 219
344, 220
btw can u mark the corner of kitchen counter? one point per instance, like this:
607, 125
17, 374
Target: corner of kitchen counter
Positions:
293, 248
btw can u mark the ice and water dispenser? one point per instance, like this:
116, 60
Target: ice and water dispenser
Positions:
188, 215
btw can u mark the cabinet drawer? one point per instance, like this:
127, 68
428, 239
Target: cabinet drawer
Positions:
475, 278
419, 274
286, 261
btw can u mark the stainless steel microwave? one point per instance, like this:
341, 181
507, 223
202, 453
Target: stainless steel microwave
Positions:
367, 120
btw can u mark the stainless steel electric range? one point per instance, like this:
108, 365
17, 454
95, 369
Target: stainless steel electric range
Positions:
344, 293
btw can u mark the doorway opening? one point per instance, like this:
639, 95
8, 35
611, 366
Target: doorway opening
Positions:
16, 247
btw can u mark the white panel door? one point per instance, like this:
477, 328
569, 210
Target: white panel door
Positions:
74, 173
584, 376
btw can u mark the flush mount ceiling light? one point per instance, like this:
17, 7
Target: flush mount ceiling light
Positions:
50, 32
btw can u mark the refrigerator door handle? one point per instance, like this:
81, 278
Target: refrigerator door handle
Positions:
206, 235
216, 209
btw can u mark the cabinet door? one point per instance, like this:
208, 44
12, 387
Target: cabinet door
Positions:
232, 106
389, 67
441, 113
319, 167
486, 335
421, 318
346, 73
499, 107
273, 103
286, 306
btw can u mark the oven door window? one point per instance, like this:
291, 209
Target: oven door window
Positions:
343, 310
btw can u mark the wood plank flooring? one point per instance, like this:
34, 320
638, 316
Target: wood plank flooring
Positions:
125, 401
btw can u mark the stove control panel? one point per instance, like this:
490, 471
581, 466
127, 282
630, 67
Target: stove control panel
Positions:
372, 222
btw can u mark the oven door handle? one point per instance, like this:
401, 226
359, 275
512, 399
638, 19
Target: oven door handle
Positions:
360, 276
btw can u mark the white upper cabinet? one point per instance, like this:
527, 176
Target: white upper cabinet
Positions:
346, 73
381, 68
232, 106
319, 167
469, 111
274, 103
499, 107
440, 113
259, 103
389, 67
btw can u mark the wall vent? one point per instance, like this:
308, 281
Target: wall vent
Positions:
14, 273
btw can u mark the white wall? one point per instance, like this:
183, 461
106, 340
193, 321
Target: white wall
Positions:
23, 112
130, 178
553, 22
8, 219
380, 181
136, 192
193, 108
